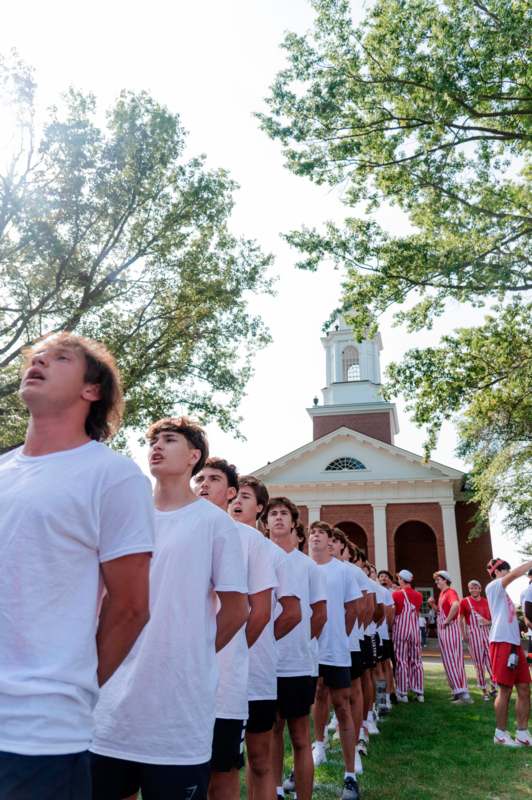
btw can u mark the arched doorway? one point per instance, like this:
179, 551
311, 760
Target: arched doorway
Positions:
355, 533
416, 550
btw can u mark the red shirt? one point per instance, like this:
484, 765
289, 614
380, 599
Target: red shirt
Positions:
416, 598
481, 607
446, 599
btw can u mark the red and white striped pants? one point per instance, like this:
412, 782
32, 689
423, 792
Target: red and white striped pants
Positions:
408, 666
452, 655
479, 648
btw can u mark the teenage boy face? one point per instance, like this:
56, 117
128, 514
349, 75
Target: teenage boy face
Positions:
171, 454
337, 548
318, 541
212, 484
55, 380
475, 590
384, 580
244, 507
279, 521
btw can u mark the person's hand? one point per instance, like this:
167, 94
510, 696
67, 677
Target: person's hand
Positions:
431, 601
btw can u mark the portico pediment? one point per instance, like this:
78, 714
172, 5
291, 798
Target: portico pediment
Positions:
347, 455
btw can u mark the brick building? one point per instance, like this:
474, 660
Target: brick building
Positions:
403, 511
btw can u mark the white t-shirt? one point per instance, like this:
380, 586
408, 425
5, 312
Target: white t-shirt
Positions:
233, 660
525, 596
263, 655
294, 650
384, 596
61, 516
342, 587
358, 632
158, 707
504, 624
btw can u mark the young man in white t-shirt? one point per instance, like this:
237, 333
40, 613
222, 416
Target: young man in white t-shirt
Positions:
218, 482
246, 508
155, 717
295, 667
75, 517
508, 662
334, 655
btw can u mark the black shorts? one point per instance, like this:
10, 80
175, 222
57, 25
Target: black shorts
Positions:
116, 778
357, 668
379, 648
295, 696
335, 677
228, 745
387, 648
368, 653
262, 716
45, 777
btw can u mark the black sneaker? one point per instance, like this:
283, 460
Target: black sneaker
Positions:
350, 790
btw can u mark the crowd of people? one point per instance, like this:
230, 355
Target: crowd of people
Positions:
151, 637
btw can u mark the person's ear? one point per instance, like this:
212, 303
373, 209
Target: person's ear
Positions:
231, 493
91, 392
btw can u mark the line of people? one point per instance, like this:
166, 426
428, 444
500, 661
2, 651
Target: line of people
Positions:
147, 638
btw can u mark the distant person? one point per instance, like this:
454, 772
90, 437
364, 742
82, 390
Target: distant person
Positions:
508, 661
76, 517
407, 640
450, 637
476, 623
526, 597
423, 629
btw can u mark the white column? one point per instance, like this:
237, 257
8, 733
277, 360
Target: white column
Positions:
450, 538
314, 513
337, 372
379, 535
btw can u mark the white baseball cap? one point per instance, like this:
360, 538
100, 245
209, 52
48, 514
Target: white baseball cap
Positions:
406, 575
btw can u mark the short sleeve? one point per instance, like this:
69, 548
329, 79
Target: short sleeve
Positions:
261, 571
399, 600
228, 568
452, 597
352, 588
286, 581
317, 584
465, 611
528, 594
126, 518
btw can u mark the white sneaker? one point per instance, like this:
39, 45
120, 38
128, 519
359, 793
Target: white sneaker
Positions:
505, 740
371, 727
523, 739
363, 735
333, 724
359, 769
319, 756
402, 698
336, 737
420, 698
361, 748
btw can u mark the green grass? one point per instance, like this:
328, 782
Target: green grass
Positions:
434, 751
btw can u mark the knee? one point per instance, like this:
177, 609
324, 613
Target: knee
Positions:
259, 766
322, 693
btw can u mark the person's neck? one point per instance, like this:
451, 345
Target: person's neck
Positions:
172, 492
284, 542
321, 558
52, 434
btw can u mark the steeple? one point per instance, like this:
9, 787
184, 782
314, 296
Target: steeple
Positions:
352, 394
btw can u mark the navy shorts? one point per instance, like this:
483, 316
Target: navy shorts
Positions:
262, 716
45, 777
115, 778
369, 652
295, 695
335, 677
228, 745
357, 667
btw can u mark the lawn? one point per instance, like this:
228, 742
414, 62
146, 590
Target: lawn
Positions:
435, 750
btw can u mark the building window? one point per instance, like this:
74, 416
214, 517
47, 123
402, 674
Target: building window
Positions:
344, 465
350, 364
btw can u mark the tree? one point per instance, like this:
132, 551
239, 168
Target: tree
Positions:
107, 231
425, 107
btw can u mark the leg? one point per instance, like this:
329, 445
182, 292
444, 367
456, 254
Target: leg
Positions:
522, 706
227, 759
342, 707
401, 671
278, 751
416, 666
320, 711
367, 689
357, 705
224, 785
261, 783
501, 707
299, 728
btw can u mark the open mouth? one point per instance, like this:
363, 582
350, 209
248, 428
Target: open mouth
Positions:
34, 374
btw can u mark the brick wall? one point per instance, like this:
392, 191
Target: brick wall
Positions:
376, 425
360, 514
474, 554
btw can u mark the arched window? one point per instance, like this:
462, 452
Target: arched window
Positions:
346, 464
350, 365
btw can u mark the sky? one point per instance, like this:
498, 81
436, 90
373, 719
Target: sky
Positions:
212, 61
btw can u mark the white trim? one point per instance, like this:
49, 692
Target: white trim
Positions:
379, 535
450, 536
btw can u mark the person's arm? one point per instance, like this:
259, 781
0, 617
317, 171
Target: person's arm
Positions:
232, 615
289, 617
453, 612
516, 573
528, 613
125, 610
318, 618
378, 614
350, 615
389, 612
260, 609
370, 608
